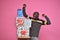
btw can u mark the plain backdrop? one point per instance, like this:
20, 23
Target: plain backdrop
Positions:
8, 13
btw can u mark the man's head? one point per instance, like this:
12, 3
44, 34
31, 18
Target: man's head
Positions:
35, 15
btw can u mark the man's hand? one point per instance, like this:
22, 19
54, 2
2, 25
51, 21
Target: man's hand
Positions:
43, 15
24, 5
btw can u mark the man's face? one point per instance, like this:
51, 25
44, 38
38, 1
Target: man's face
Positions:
35, 15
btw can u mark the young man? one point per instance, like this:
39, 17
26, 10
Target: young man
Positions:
36, 23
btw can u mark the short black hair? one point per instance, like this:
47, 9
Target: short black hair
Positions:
35, 13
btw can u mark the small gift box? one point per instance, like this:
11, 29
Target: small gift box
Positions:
19, 13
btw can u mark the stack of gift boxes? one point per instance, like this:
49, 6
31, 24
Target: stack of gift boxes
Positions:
23, 24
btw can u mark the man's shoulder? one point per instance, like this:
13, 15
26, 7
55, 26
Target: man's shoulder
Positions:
40, 20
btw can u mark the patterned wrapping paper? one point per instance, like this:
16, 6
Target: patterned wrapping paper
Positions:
19, 24
19, 21
18, 31
26, 25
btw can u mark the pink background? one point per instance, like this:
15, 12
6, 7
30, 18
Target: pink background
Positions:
8, 12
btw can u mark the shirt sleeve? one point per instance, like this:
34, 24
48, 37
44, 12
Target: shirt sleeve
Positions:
47, 22
24, 13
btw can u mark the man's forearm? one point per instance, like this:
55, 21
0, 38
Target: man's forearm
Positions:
48, 20
24, 12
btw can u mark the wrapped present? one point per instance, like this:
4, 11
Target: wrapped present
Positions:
23, 26
19, 13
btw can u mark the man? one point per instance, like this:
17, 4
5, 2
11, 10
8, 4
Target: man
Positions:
36, 23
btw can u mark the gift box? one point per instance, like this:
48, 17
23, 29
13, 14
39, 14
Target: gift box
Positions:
19, 13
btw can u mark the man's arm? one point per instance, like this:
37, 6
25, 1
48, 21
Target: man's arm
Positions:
24, 12
47, 22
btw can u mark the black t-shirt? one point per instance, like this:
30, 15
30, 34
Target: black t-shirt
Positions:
35, 27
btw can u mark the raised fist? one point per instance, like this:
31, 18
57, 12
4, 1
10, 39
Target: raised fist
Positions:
43, 15
24, 5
